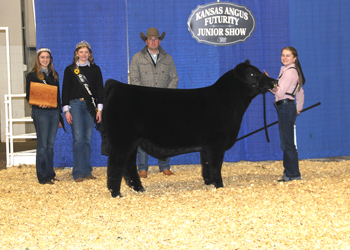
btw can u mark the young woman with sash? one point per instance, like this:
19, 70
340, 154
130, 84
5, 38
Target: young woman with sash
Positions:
82, 100
46, 120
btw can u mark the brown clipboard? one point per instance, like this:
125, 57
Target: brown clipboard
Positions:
43, 94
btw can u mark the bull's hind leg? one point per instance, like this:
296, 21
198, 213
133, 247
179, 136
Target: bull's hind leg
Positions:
115, 168
205, 168
213, 165
131, 176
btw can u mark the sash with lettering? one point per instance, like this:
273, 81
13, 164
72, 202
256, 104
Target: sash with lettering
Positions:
88, 95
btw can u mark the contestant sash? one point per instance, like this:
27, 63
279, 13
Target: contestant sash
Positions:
88, 95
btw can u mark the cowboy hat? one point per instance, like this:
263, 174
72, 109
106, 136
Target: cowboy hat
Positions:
152, 32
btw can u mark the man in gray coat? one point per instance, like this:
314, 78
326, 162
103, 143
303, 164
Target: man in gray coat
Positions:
153, 67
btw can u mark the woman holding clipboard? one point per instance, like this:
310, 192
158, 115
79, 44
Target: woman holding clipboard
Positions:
46, 119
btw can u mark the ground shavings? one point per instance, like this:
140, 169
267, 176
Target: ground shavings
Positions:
252, 211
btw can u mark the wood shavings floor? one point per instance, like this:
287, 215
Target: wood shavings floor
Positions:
252, 211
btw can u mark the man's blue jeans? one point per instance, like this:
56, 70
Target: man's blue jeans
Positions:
143, 161
82, 127
46, 125
287, 114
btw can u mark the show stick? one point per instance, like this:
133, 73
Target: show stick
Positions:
265, 127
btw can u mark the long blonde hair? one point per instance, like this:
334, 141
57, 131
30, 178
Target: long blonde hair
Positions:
301, 80
37, 67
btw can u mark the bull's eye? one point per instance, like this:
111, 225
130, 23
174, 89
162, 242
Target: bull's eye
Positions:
251, 74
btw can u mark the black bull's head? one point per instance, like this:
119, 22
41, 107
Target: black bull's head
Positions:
254, 78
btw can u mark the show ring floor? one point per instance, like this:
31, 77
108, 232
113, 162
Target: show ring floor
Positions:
252, 211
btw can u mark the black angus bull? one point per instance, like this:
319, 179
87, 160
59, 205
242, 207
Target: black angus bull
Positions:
169, 122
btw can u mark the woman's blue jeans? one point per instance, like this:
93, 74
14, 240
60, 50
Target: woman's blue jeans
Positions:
46, 125
82, 127
142, 158
287, 114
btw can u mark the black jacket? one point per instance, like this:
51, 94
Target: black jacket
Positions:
72, 89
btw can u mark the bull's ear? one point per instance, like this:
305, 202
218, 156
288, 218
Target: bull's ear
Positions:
247, 62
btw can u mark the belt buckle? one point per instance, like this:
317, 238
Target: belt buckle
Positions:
81, 99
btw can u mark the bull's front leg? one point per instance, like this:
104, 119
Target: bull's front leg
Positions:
131, 175
215, 159
114, 174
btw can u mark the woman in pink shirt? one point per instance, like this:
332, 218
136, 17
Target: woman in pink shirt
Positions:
289, 91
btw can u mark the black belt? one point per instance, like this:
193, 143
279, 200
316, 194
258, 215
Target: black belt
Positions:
283, 101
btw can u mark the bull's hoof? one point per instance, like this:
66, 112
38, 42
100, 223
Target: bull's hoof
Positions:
115, 194
208, 182
219, 185
138, 189
141, 190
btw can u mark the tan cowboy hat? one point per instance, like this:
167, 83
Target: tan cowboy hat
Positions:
152, 32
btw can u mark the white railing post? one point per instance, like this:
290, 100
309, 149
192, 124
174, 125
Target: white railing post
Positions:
10, 154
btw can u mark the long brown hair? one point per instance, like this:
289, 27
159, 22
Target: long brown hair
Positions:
301, 80
37, 67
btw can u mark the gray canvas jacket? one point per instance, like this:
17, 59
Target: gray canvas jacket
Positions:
144, 73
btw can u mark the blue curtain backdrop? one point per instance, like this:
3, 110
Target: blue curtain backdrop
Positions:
318, 29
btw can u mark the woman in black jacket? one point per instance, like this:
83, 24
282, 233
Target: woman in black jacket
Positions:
46, 120
82, 100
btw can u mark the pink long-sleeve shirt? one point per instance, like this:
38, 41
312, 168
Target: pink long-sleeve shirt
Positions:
287, 84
